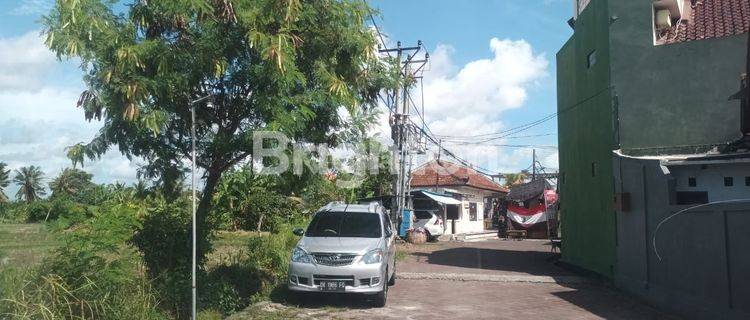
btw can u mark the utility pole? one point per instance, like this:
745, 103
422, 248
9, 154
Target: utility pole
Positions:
401, 129
533, 165
194, 245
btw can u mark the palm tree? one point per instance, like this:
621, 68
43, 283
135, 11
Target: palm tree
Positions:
141, 189
4, 181
70, 182
30, 180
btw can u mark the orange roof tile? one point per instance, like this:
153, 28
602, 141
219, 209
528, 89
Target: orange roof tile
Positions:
447, 174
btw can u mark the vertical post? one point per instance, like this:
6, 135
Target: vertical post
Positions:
440, 148
405, 138
533, 164
193, 287
396, 201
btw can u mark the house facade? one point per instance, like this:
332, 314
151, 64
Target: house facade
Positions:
474, 191
646, 131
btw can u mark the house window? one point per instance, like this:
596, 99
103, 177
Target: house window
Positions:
728, 181
591, 59
692, 182
472, 211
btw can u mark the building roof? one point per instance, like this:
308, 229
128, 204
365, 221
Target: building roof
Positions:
529, 190
447, 174
712, 19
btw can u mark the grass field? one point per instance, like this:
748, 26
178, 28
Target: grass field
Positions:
24, 245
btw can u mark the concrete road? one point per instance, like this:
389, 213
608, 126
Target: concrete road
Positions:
494, 279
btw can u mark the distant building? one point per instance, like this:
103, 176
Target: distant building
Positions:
474, 190
646, 129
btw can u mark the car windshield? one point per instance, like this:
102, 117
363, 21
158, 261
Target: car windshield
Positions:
344, 224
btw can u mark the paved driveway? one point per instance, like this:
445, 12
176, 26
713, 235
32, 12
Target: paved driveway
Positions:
493, 279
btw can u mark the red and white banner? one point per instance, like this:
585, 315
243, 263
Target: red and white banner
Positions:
527, 217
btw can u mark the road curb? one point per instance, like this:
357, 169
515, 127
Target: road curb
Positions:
492, 278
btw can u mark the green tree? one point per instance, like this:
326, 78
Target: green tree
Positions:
30, 180
71, 182
249, 201
4, 181
141, 189
380, 182
512, 179
280, 65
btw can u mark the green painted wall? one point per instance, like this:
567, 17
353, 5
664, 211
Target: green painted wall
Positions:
586, 142
672, 98
638, 97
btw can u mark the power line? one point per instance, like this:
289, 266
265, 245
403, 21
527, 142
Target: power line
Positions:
505, 133
424, 129
523, 146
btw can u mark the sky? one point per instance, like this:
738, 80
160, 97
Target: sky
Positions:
492, 67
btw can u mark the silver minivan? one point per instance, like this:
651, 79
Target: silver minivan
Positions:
347, 248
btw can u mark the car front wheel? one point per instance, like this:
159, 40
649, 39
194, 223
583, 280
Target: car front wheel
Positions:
392, 279
382, 296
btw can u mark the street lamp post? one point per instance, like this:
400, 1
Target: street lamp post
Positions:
195, 208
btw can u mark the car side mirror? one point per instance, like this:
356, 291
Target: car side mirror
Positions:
388, 233
299, 232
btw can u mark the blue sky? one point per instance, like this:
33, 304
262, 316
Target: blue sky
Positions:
468, 27
493, 67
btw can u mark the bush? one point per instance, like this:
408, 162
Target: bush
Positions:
39, 296
164, 241
256, 275
13, 213
62, 208
95, 275
269, 257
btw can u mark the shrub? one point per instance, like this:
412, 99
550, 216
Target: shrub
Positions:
13, 213
269, 257
62, 208
164, 241
95, 275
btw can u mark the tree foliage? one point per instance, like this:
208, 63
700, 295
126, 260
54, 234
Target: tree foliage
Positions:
281, 65
4, 181
70, 183
513, 179
248, 201
31, 182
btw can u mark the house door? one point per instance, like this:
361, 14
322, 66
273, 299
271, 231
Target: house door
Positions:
452, 215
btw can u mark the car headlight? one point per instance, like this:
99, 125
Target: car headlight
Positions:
374, 256
300, 255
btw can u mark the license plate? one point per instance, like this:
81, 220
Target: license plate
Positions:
332, 285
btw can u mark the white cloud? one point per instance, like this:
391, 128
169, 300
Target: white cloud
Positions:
483, 86
37, 127
471, 99
24, 60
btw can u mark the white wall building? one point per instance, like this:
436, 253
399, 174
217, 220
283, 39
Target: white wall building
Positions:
473, 191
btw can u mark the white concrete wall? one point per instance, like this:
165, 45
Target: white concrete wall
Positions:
471, 195
711, 179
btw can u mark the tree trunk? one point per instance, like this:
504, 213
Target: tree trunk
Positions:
204, 209
260, 222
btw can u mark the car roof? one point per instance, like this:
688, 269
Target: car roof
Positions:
353, 208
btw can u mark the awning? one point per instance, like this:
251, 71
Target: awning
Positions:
441, 198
